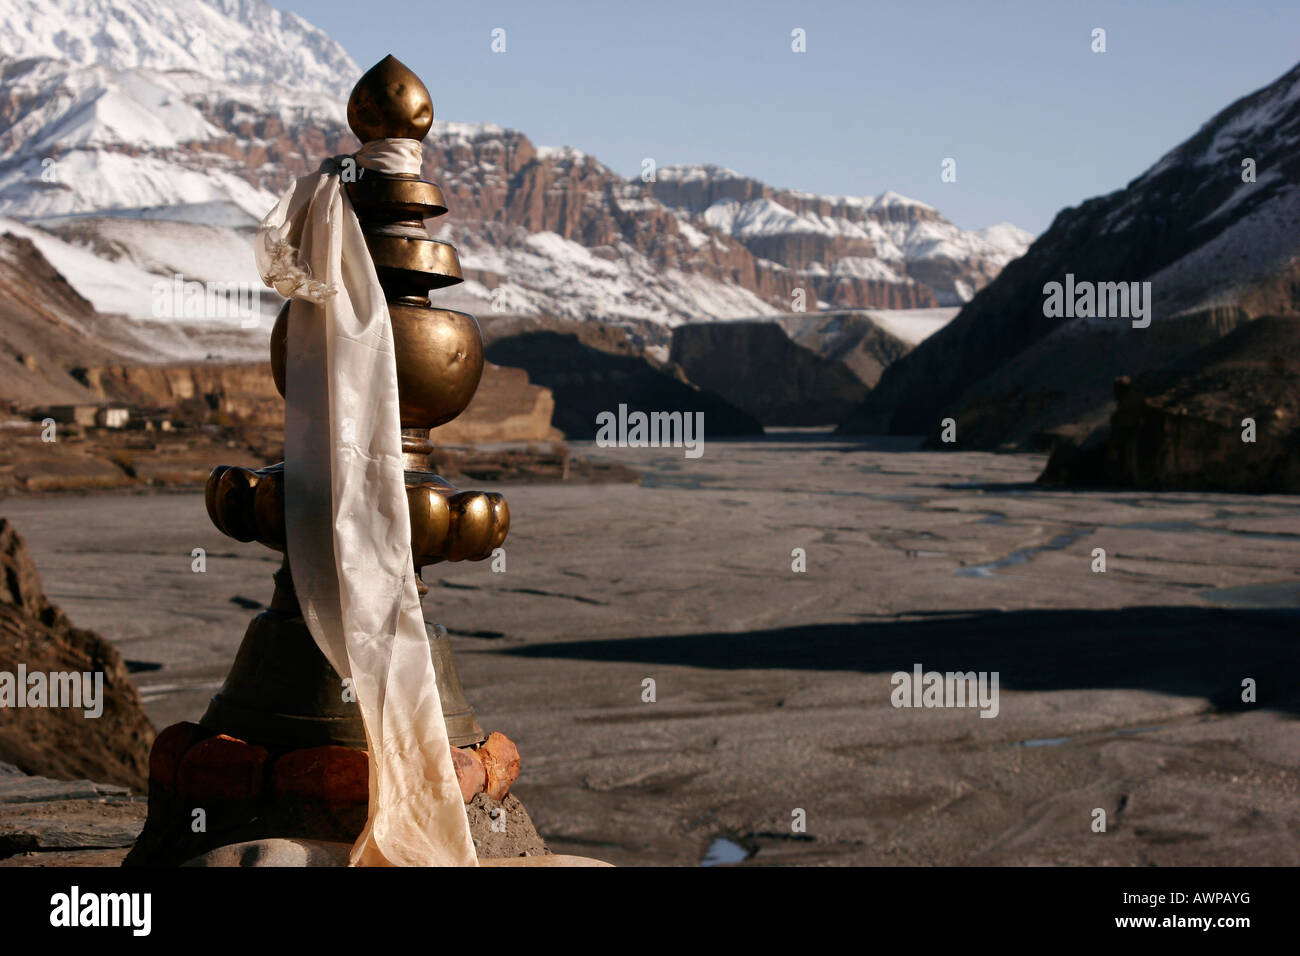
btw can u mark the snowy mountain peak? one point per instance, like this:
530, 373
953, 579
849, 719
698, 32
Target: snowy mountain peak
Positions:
889, 198
696, 172
235, 41
1007, 237
465, 132
562, 154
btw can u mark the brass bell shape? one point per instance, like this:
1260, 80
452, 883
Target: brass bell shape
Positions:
282, 693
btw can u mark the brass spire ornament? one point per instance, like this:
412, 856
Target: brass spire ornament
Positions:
283, 701
439, 356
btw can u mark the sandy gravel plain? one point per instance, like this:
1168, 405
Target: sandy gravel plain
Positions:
1118, 690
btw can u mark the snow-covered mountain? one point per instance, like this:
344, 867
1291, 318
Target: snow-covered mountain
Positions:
154, 134
838, 242
85, 139
244, 42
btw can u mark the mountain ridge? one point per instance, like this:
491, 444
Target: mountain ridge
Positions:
138, 122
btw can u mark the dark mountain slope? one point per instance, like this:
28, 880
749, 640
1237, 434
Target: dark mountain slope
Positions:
1217, 251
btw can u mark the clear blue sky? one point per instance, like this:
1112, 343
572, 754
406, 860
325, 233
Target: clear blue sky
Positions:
885, 91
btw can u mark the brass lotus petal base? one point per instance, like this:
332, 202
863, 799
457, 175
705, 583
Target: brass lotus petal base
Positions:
446, 524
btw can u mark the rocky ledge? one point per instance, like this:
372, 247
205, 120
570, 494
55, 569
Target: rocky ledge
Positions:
1226, 418
49, 814
103, 735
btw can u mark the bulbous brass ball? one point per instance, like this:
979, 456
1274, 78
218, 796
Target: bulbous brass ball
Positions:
439, 361
390, 102
446, 524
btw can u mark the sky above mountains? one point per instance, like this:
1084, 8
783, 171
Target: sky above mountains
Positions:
884, 93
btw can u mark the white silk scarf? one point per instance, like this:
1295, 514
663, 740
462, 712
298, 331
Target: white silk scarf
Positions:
347, 526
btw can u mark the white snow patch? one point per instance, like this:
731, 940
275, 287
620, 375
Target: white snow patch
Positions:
912, 326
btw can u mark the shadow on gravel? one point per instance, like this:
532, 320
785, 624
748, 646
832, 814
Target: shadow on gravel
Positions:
1187, 651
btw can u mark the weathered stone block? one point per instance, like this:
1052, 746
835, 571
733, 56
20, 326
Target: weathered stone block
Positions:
168, 749
222, 768
469, 772
334, 774
501, 764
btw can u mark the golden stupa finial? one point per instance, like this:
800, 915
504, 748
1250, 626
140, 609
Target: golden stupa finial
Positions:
390, 102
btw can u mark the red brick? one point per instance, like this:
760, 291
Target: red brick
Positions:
334, 774
501, 763
168, 749
221, 768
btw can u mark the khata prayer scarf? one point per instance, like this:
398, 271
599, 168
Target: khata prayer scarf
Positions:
347, 526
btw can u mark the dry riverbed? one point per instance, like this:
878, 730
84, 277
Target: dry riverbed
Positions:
1119, 691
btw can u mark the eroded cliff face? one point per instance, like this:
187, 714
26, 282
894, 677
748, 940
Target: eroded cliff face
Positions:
1226, 418
506, 407
504, 190
589, 378
760, 369
243, 392
851, 252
